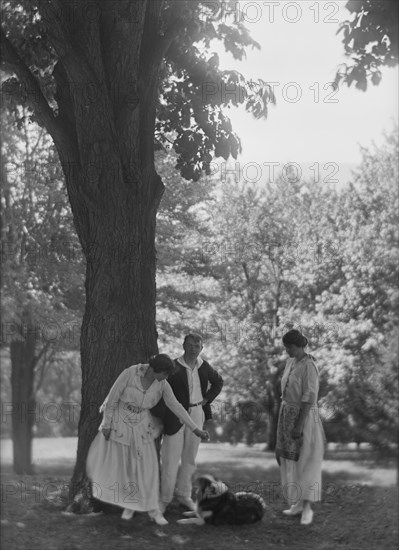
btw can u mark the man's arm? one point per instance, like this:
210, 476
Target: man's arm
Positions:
216, 382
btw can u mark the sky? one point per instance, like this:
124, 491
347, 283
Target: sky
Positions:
300, 53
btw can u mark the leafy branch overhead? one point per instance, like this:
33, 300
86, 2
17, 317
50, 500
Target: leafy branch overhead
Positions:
54, 51
371, 41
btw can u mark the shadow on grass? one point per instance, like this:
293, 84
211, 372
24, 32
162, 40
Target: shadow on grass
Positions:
266, 483
351, 515
50, 468
375, 458
231, 471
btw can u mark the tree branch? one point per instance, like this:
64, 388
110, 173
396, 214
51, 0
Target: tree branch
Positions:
37, 358
250, 290
35, 98
44, 365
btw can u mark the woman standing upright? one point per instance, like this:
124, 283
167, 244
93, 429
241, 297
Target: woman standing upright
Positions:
122, 462
300, 436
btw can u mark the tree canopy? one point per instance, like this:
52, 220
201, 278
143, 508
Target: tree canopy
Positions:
370, 38
40, 38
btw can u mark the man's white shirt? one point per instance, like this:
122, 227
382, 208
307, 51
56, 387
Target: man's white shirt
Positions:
194, 385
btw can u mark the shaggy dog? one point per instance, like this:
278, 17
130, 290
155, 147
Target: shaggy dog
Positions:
217, 505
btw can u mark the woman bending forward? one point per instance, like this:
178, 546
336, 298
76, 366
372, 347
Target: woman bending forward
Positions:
122, 462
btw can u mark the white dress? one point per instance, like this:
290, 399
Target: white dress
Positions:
124, 470
300, 475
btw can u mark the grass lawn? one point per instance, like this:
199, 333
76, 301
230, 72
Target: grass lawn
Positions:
359, 508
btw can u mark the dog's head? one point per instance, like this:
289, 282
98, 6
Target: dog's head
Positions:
209, 487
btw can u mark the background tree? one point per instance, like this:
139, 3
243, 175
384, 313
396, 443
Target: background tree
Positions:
42, 284
363, 302
185, 295
262, 251
299, 254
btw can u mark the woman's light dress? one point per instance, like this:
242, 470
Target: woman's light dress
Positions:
124, 470
300, 460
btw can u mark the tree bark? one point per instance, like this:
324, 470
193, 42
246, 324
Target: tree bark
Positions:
119, 322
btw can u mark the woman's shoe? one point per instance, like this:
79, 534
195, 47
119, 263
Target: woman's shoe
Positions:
127, 513
307, 516
158, 518
295, 510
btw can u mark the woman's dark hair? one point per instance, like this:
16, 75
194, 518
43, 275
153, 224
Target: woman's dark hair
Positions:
295, 337
162, 363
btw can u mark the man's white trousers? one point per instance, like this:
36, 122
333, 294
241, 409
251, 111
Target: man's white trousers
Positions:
183, 447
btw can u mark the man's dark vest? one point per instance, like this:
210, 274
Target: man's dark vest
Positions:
179, 383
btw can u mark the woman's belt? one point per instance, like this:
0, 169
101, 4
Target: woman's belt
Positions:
133, 409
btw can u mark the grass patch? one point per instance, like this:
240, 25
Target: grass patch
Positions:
359, 510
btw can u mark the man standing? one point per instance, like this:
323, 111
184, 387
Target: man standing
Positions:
195, 384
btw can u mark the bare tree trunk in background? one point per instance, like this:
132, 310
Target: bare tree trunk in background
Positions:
22, 354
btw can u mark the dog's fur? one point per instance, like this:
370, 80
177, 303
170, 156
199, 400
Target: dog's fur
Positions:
217, 505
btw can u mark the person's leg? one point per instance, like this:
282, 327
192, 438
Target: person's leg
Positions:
188, 456
309, 466
307, 513
290, 487
171, 451
157, 516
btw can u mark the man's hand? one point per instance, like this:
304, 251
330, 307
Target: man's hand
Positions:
202, 434
106, 433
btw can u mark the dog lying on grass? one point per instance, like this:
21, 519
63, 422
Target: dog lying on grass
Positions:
217, 505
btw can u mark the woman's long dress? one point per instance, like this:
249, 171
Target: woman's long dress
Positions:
124, 470
300, 460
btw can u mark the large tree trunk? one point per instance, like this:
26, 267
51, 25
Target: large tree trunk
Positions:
24, 412
107, 87
106, 78
119, 322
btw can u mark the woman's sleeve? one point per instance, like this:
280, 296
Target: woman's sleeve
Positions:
112, 399
176, 407
310, 383
283, 380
